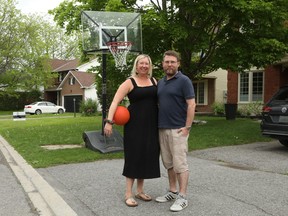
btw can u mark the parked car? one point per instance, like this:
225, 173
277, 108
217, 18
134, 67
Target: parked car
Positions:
275, 117
43, 107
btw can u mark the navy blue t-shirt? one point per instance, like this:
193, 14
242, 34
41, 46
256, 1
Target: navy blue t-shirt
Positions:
172, 96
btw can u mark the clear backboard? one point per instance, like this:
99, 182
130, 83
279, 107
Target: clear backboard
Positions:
100, 28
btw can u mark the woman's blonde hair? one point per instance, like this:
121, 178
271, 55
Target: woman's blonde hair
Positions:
139, 57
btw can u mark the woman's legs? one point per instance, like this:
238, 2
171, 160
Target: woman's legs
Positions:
129, 186
140, 192
140, 185
129, 200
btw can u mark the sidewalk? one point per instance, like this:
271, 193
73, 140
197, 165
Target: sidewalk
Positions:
38, 194
247, 183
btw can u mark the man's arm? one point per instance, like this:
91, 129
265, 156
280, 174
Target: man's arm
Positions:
190, 112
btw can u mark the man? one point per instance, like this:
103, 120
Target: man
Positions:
176, 100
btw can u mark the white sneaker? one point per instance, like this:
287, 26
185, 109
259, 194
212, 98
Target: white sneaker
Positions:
179, 204
167, 197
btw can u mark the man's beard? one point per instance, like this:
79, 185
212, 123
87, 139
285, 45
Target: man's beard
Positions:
170, 72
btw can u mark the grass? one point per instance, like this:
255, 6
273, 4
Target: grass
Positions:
221, 132
28, 136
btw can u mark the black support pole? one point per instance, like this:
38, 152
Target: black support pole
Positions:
104, 91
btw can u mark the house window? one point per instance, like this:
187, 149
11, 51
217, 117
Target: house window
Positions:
71, 80
60, 78
200, 88
251, 86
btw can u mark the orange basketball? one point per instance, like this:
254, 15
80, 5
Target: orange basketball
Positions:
121, 116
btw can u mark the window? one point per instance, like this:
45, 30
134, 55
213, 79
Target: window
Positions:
72, 80
251, 86
200, 88
60, 77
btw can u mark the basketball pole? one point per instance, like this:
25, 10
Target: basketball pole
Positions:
104, 91
96, 140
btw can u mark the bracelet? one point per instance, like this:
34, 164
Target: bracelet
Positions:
109, 121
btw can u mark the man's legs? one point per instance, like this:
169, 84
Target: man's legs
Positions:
172, 180
183, 182
172, 193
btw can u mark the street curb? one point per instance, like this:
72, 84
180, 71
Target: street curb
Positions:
44, 198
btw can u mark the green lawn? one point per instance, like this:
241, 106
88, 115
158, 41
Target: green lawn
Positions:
28, 136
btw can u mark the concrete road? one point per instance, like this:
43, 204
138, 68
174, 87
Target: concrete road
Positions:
13, 199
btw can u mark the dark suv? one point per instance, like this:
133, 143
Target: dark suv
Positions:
275, 117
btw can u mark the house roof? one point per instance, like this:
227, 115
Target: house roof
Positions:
86, 80
88, 65
64, 65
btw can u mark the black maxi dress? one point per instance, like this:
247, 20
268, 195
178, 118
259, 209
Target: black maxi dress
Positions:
141, 142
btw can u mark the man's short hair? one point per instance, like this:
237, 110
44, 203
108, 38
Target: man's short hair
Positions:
172, 53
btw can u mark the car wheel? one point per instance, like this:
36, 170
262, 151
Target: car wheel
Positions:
284, 142
38, 112
60, 111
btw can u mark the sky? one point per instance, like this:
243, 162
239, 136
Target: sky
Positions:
37, 6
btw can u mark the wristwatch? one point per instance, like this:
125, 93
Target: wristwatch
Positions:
109, 121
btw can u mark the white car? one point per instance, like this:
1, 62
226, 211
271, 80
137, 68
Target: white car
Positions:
43, 107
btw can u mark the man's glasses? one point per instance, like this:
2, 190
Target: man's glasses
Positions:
170, 62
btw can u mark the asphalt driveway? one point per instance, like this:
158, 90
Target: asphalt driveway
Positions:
245, 180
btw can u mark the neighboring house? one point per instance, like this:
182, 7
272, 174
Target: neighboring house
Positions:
71, 85
256, 85
211, 88
76, 87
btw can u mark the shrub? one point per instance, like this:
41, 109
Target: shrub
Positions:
252, 109
218, 108
88, 107
18, 100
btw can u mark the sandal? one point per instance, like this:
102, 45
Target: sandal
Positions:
143, 196
131, 202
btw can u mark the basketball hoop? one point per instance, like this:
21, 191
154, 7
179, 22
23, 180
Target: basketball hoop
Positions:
119, 50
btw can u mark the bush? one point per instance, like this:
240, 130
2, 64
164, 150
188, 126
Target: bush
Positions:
218, 108
251, 110
88, 107
18, 100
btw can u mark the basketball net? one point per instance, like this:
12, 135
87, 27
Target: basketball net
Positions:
119, 50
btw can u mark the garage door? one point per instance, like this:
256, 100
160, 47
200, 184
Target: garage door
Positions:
69, 103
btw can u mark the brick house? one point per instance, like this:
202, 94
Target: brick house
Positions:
256, 85
71, 86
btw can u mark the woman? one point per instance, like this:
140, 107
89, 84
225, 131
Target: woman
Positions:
141, 145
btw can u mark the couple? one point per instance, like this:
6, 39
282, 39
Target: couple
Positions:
163, 113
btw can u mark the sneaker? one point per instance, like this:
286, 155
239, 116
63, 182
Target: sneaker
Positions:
179, 204
167, 197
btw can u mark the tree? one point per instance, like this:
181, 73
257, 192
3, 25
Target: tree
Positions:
229, 34
27, 42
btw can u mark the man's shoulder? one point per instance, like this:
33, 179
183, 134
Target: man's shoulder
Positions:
183, 77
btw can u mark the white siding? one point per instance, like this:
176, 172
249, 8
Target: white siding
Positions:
91, 94
220, 84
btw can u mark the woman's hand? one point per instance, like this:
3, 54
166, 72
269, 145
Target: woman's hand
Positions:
108, 129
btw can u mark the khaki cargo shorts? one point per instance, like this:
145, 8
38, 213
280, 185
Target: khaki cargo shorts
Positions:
174, 149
